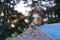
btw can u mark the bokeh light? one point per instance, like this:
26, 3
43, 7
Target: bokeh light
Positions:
12, 25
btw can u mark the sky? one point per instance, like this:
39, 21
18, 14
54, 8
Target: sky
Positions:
21, 7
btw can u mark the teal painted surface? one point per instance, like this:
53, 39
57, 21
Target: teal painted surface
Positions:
52, 30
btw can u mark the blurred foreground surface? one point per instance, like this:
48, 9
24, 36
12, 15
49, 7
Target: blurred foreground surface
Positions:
30, 34
44, 32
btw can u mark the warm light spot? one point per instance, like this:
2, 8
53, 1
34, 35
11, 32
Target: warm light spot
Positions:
2, 14
26, 20
15, 21
45, 19
8, 20
12, 25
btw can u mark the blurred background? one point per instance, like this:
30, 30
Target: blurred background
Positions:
18, 15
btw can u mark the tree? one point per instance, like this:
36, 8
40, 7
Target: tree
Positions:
57, 11
8, 19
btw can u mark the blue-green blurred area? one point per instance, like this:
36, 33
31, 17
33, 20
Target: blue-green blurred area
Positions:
13, 22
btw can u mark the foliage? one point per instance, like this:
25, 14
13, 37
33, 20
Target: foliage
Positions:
14, 34
8, 15
8, 20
